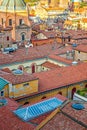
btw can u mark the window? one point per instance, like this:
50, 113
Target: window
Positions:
23, 37
43, 97
69, 38
49, 1
78, 51
7, 38
2, 93
2, 21
20, 21
10, 22
26, 84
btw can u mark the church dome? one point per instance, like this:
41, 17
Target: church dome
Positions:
12, 5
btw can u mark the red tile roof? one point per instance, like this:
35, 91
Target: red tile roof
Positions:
49, 34
82, 48
60, 59
68, 119
57, 78
79, 115
36, 52
33, 53
62, 122
16, 79
8, 121
50, 65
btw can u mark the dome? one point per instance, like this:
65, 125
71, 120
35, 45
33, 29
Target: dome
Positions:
12, 5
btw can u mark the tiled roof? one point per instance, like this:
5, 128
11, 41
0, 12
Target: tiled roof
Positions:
61, 59
42, 51
82, 48
50, 65
8, 121
79, 115
68, 119
49, 34
62, 122
63, 76
33, 53
16, 79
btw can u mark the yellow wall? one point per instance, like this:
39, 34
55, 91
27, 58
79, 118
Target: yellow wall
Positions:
66, 92
20, 89
6, 91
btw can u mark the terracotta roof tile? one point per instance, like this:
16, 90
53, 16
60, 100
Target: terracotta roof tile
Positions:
8, 121
20, 55
50, 65
82, 48
60, 77
80, 115
61, 59
16, 79
62, 122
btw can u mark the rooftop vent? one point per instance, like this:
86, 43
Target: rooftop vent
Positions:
18, 72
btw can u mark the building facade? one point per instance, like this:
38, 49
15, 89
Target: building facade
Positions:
14, 14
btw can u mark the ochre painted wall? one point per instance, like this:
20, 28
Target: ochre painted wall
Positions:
66, 92
24, 88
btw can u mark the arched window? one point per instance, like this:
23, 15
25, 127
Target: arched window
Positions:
23, 36
73, 91
26, 103
43, 97
33, 67
86, 86
60, 93
7, 38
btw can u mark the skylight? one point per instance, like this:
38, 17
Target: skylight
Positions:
38, 109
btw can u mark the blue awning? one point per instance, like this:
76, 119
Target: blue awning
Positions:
3, 83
